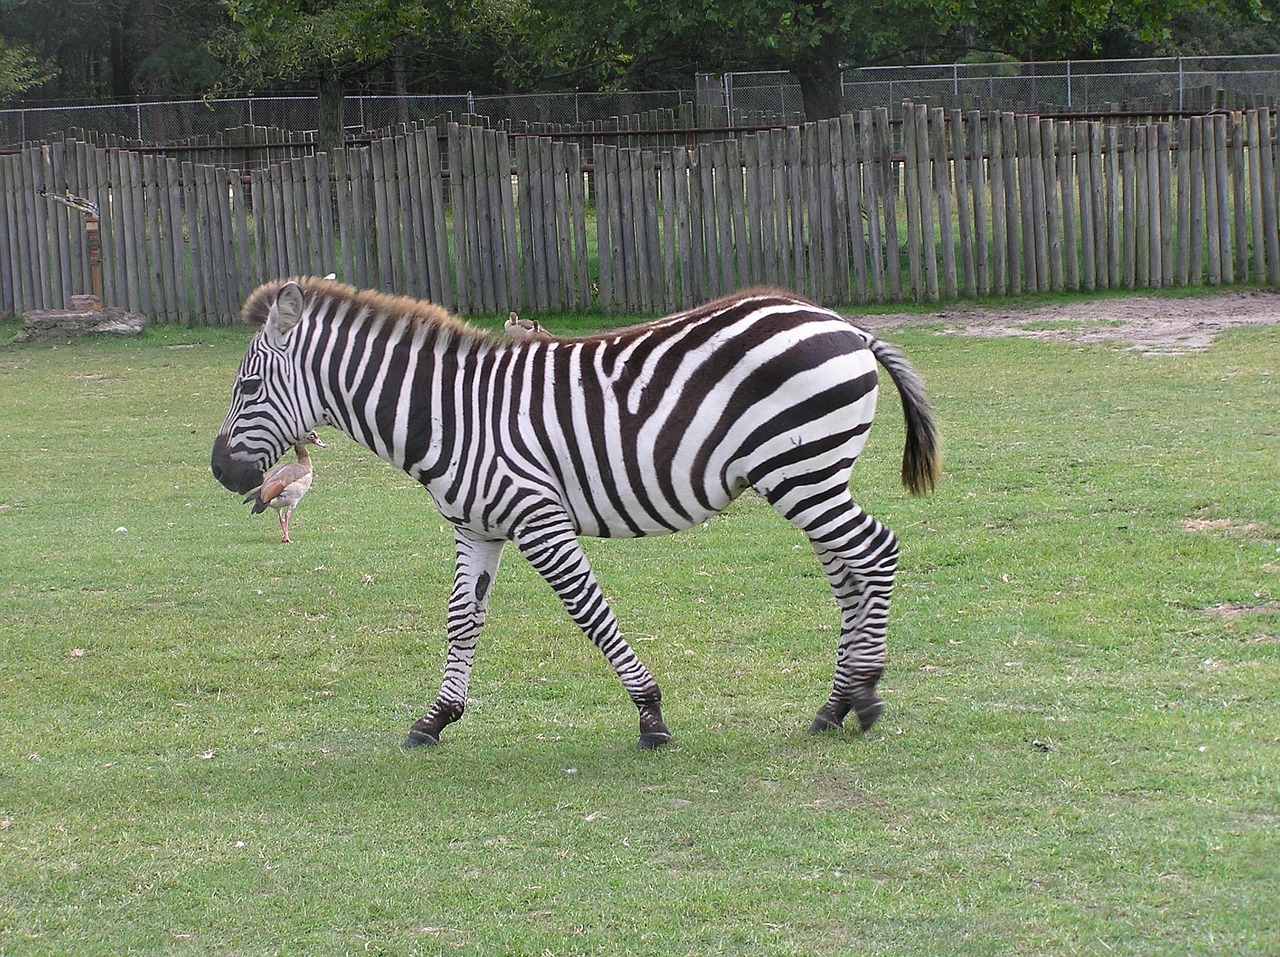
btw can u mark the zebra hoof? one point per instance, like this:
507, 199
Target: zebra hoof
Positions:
653, 730
867, 711
825, 722
652, 740
420, 739
830, 716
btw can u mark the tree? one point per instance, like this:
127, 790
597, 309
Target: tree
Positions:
77, 51
20, 70
111, 48
812, 39
817, 39
298, 39
331, 41
1243, 27
126, 48
1048, 29
173, 55
622, 41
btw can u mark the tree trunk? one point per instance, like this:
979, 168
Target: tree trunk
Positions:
155, 84
818, 71
331, 132
121, 79
399, 74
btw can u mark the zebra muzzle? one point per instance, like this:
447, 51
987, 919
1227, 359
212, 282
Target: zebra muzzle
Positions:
234, 473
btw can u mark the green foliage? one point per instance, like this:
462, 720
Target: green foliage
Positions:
290, 38
331, 41
122, 48
1244, 27
201, 726
114, 47
651, 44
20, 70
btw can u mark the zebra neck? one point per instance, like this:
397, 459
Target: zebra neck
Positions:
398, 388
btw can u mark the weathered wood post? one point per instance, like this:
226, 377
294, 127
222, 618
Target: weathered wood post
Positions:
90, 211
95, 254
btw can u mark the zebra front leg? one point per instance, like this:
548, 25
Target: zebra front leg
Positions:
474, 574
552, 548
860, 558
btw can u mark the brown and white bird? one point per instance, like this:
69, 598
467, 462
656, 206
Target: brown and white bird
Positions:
519, 328
283, 486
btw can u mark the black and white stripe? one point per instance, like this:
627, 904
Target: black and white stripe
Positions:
642, 431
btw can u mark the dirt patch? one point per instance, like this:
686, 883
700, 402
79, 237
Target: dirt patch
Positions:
1232, 612
1218, 525
1148, 324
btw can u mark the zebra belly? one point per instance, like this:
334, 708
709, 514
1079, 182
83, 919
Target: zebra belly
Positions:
635, 517
595, 508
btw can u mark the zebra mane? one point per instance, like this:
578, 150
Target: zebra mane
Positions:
382, 306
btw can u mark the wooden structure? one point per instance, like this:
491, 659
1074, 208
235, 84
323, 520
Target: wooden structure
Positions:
857, 209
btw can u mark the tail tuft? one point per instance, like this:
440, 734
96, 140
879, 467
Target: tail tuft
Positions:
922, 454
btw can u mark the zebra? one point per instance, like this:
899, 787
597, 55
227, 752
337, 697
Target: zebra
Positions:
645, 430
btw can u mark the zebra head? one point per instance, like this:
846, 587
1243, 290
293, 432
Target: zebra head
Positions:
267, 414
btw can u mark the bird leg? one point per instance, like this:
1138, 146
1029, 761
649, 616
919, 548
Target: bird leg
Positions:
284, 526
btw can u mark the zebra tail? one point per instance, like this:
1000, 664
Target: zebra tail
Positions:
922, 454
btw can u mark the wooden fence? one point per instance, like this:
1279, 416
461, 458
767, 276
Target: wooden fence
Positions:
855, 209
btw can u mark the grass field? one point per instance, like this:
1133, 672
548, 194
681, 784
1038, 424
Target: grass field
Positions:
1081, 751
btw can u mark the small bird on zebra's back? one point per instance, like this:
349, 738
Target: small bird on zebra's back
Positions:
282, 488
518, 328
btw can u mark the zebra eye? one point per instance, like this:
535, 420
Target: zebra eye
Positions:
250, 385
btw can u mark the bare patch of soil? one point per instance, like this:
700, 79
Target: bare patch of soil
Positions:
1218, 525
1232, 612
1144, 323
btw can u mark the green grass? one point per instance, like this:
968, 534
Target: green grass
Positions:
1081, 752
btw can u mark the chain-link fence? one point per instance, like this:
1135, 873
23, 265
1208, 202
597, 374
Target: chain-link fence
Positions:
1175, 83
1070, 86
1080, 86
185, 121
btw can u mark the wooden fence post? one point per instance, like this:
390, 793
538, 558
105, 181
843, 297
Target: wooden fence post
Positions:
942, 181
1254, 161
911, 178
1067, 186
1222, 199
873, 203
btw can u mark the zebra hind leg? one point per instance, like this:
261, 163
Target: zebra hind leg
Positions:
860, 558
476, 569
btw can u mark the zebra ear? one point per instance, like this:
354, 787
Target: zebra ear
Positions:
286, 312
